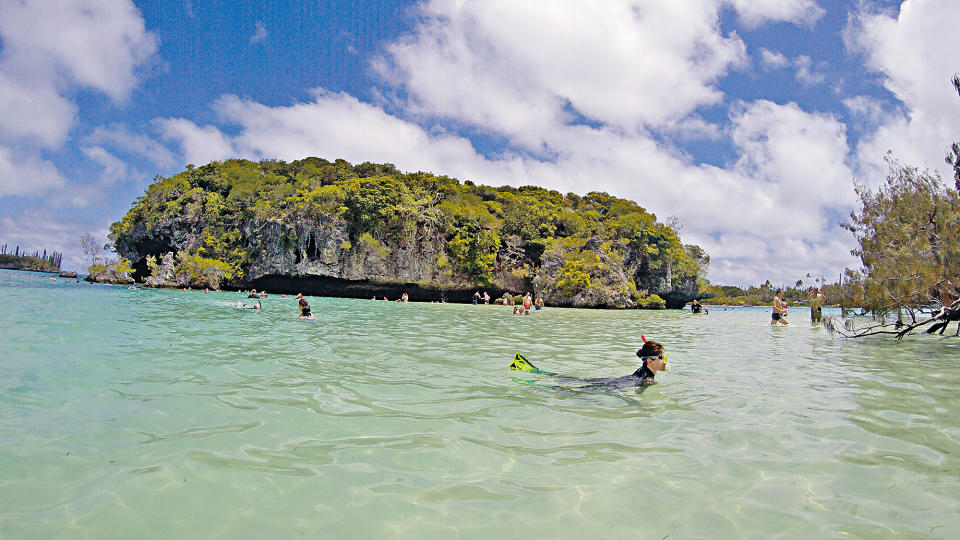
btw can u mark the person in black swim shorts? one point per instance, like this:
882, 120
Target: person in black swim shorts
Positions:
779, 309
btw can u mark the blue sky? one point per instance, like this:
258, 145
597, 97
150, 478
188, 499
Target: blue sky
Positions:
748, 120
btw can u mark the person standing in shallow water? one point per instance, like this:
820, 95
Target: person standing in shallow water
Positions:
816, 305
779, 309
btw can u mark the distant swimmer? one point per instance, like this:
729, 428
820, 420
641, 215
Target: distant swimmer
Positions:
527, 303
241, 305
476, 297
652, 354
696, 306
486, 298
538, 305
305, 312
779, 309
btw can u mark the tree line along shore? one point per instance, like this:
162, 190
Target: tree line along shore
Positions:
34, 262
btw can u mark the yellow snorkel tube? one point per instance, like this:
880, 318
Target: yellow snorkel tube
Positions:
664, 358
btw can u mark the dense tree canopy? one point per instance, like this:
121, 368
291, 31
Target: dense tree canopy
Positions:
909, 243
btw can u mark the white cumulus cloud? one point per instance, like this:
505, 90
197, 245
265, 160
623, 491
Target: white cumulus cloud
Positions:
806, 73
523, 69
114, 169
49, 51
26, 173
914, 50
90, 43
33, 114
121, 139
773, 59
198, 144
755, 12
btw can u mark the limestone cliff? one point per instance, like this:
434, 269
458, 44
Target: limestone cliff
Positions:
324, 228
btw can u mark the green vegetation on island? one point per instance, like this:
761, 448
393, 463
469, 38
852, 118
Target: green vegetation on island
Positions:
231, 223
35, 262
103, 269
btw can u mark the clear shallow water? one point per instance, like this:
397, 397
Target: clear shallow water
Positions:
173, 414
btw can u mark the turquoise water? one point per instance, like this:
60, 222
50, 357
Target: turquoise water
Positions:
169, 414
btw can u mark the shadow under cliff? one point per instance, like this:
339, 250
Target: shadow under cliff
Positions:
366, 288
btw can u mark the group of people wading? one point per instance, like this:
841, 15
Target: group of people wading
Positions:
507, 299
779, 315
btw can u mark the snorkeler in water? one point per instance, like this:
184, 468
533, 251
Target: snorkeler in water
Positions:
652, 354
305, 312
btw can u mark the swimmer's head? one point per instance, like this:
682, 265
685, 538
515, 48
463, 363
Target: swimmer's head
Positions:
653, 356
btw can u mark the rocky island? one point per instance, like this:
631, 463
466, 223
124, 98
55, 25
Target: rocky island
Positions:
336, 229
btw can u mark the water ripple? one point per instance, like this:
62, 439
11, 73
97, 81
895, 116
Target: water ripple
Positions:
176, 414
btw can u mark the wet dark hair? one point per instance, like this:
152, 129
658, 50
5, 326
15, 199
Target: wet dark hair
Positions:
303, 302
650, 348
